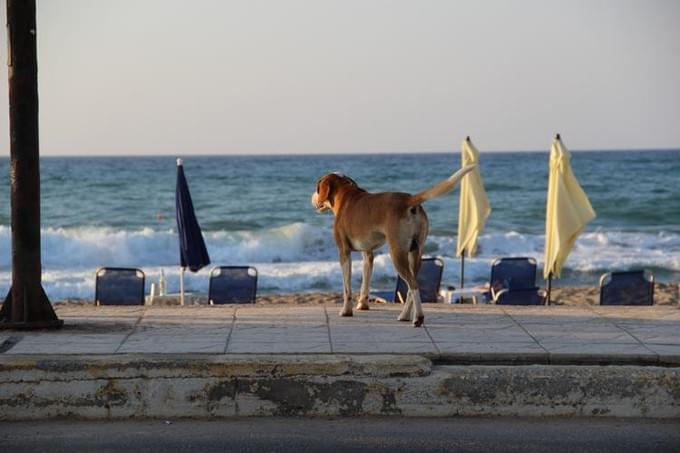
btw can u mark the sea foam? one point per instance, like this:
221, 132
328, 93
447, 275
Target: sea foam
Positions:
301, 257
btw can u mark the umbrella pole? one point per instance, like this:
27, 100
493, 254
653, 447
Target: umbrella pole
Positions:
549, 288
181, 286
462, 269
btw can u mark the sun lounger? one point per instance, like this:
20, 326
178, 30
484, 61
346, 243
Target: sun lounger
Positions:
627, 288
232, 285
119, 286
429, 280
513, 282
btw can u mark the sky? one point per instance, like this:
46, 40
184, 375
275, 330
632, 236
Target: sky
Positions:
352, 76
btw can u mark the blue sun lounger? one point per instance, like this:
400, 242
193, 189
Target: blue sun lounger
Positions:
429, 280
627, 288
119, 286
513, 282
232, 285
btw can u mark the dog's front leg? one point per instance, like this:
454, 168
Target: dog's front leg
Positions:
366, 281
346, 264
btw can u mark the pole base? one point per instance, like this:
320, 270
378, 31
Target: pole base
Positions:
39, 315
37, 325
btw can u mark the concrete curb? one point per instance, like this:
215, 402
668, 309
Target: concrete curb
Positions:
204, 386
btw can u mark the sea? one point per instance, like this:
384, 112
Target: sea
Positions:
256, 210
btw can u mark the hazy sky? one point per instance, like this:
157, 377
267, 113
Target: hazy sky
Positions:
282, 76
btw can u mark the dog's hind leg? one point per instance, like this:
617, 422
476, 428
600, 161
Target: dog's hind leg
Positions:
346, 264
414, 261
406, 312
366, 281
401, 264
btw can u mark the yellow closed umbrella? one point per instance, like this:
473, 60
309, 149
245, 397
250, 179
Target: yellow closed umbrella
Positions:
567, 212
473, 208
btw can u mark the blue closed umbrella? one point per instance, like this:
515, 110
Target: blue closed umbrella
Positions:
192, 251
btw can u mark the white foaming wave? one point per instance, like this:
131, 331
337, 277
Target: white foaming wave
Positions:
300, 257
99, 246
597, 251
288, 243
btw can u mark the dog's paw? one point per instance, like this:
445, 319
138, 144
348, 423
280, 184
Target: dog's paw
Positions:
419, 321
346, 313
362, 306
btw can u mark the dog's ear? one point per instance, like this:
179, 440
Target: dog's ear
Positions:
325, 189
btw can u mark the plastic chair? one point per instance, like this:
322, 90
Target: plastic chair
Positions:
513, 282
429, 280
627, 288
119, 286
232, 285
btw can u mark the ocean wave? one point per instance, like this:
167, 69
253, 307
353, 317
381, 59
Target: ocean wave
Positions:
301, 257
98, 246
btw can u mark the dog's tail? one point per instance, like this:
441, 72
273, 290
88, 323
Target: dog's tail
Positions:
442, 188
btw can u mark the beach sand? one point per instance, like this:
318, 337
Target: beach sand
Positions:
664, 294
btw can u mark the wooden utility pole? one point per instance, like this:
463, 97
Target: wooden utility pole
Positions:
26, 305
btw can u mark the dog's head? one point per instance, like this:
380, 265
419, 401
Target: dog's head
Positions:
327, 188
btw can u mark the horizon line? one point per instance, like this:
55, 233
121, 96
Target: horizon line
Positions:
353, 153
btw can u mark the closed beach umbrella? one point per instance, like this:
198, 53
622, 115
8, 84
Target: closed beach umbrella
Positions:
473, 208
568, 210
192, 251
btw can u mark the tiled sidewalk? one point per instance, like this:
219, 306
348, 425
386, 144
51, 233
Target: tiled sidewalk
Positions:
460, 334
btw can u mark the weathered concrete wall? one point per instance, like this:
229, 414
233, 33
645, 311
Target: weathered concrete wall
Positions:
102, 387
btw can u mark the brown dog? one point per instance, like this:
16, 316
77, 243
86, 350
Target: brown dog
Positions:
365, 221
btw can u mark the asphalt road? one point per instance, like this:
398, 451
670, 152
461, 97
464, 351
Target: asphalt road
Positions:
345, 434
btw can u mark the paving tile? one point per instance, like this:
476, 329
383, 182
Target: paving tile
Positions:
278, 333
668, 353
510, 334
644, 322
652, 331
181, 331
388, 317
588, 333
401, 332
571, 320
597, 352
306, 347
107, 316
241, 322
168, 345
465, 308
665, 313
478, 351
465, 319
281, 313
84, 325
68, 344
656, 335
461, 332
223, 320
91, 310
384, 347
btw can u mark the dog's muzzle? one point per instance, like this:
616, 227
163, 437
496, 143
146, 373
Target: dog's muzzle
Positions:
316, 205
